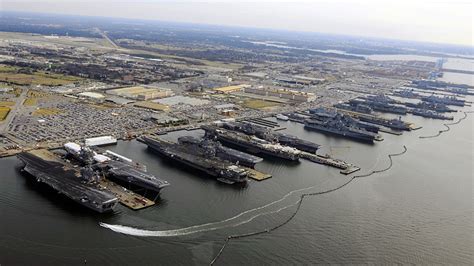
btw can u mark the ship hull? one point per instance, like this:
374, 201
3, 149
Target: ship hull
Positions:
351, 135
66, 182
220, 174
256, 150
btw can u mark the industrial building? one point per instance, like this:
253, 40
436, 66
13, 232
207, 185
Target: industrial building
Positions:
152, 106
91, 95
299, 80
98, 141
282, 93
141, 93
230, 89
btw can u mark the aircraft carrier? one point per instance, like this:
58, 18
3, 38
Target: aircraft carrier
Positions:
323, 114
338, 126
79, 184
223, 170
116, 167
252, 144
269, 135
380, 103
212, 148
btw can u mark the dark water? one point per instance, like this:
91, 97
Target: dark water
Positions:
418, 212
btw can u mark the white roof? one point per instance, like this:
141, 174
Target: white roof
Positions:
92, 95
101, 158
72, 146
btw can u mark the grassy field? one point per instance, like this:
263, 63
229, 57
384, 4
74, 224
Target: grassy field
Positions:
11, 75
30, 102
46, 111
37, 78
258, 104
6, 103
4, 112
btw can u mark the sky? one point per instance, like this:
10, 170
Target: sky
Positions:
440, 21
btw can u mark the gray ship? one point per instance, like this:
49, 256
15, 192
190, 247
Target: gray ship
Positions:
337, 126
359, 108
223, 170
252, 144
116, 167
211, 148
437, 107
325, 113
430, 114
79, 184
447, 100
269, 135
407, 94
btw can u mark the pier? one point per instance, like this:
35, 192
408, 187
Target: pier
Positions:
257, 175
125, 196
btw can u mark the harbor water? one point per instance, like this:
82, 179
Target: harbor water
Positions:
420, 211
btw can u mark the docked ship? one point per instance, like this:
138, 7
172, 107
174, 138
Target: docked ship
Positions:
324, 114
447, 100
211, 148
271, 136
337, 126
79, 184
387, 108
223, 170
380, 98
359, 108
116, 167
407, 94
430, 114
252, 144
438, 107
397, 124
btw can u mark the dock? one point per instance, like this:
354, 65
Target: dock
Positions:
126, 197
257, 175
346, 168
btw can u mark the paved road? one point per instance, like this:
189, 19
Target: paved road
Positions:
14, 110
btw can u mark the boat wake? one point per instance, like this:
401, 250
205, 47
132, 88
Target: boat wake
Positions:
234, 221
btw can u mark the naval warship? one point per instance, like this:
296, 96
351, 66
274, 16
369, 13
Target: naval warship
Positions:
269, 135
325, 113
359, 108
116, 167
211, 148
223, 170
338, 126
252, 144
447, 100
79, 184
438, 107
430, 114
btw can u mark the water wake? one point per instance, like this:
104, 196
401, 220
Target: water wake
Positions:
230, 222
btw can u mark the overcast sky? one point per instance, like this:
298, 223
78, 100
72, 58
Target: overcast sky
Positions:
442, 21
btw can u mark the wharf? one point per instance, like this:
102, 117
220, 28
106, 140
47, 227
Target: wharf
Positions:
126, 197
346, 168
257, 175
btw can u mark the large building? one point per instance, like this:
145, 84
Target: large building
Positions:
282, 93
230, 89
141, 93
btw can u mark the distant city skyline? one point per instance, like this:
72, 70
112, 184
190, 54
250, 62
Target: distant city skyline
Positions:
448, 22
